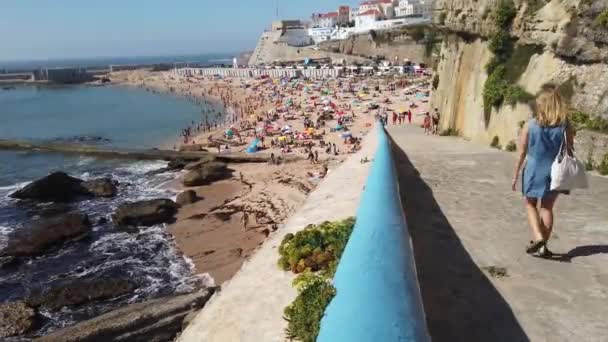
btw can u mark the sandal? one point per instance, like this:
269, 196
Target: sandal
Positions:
544, 252
534, 246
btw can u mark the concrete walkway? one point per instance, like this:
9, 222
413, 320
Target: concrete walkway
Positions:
464, 218
250, 306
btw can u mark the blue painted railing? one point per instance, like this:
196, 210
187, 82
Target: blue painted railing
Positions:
378, 297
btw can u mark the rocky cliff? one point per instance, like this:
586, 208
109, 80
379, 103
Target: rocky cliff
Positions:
400, 44
496, 55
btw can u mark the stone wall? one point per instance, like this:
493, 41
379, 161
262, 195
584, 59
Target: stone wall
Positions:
399, 45
549, 27
269, 50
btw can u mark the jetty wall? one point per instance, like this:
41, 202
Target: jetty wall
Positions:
378, 296
255, 73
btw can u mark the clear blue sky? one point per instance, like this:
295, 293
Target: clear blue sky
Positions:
50, 29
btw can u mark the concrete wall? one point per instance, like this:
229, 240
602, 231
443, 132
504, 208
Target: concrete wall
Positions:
378, 296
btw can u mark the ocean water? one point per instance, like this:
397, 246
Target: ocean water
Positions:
103, 62
118, 116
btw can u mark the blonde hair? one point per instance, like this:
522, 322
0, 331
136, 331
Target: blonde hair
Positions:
551, 110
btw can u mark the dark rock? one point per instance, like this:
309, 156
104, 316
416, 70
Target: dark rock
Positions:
16, 318
207, 174
79, 292
102, 220
186, 197
157, 320
56, 187
43, 233
145, 213
191, 148
54, 209
199, 163
265, 232
101, 187
7, 261
237, 252
176, 164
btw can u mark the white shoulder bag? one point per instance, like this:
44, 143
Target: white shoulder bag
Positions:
567, 172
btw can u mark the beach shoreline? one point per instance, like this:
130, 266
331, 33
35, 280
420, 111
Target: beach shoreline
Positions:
237, 215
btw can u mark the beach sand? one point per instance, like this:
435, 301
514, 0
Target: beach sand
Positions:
237, 215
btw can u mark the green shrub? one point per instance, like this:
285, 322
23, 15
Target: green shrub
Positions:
316, 247
602, 19
603, 167
435, 81
579, 119
304, 314
511, 146
493, 64
495, 142
450, 132
504, 15
521, 124
442, 17
589, 163
494, 89
515, 94
500, 44
582, 120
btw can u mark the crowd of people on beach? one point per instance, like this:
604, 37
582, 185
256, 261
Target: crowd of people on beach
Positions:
296, 116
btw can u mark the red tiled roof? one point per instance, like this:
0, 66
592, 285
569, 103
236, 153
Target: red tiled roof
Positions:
328, 15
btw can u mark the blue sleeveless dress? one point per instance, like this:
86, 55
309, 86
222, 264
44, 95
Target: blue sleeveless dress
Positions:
543, 146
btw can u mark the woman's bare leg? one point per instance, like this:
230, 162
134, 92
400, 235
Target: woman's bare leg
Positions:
536, 225
546, 214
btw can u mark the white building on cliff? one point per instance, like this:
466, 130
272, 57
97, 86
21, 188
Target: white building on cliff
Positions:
414, 8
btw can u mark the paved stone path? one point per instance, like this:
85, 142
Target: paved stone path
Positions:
464, 218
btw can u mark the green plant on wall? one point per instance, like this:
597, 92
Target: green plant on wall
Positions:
304, 314
495, 143
313, 253
602, 168
602, 19
494, 89
504, 15
507, 64
582, 120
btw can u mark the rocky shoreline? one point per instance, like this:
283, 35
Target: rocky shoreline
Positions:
60, 225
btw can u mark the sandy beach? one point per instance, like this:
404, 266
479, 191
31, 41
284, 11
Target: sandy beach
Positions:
321, 122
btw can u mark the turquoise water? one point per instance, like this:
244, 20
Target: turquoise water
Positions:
122, 116
117, 116
127, 116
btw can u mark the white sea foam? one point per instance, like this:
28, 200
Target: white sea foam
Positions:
4, 232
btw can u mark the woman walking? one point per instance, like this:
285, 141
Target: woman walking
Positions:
540, 142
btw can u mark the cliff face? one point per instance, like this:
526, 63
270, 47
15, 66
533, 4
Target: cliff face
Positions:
559, 42
391, 45
269, 50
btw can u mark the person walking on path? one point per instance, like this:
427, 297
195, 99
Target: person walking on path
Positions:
540, 142
436, 121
